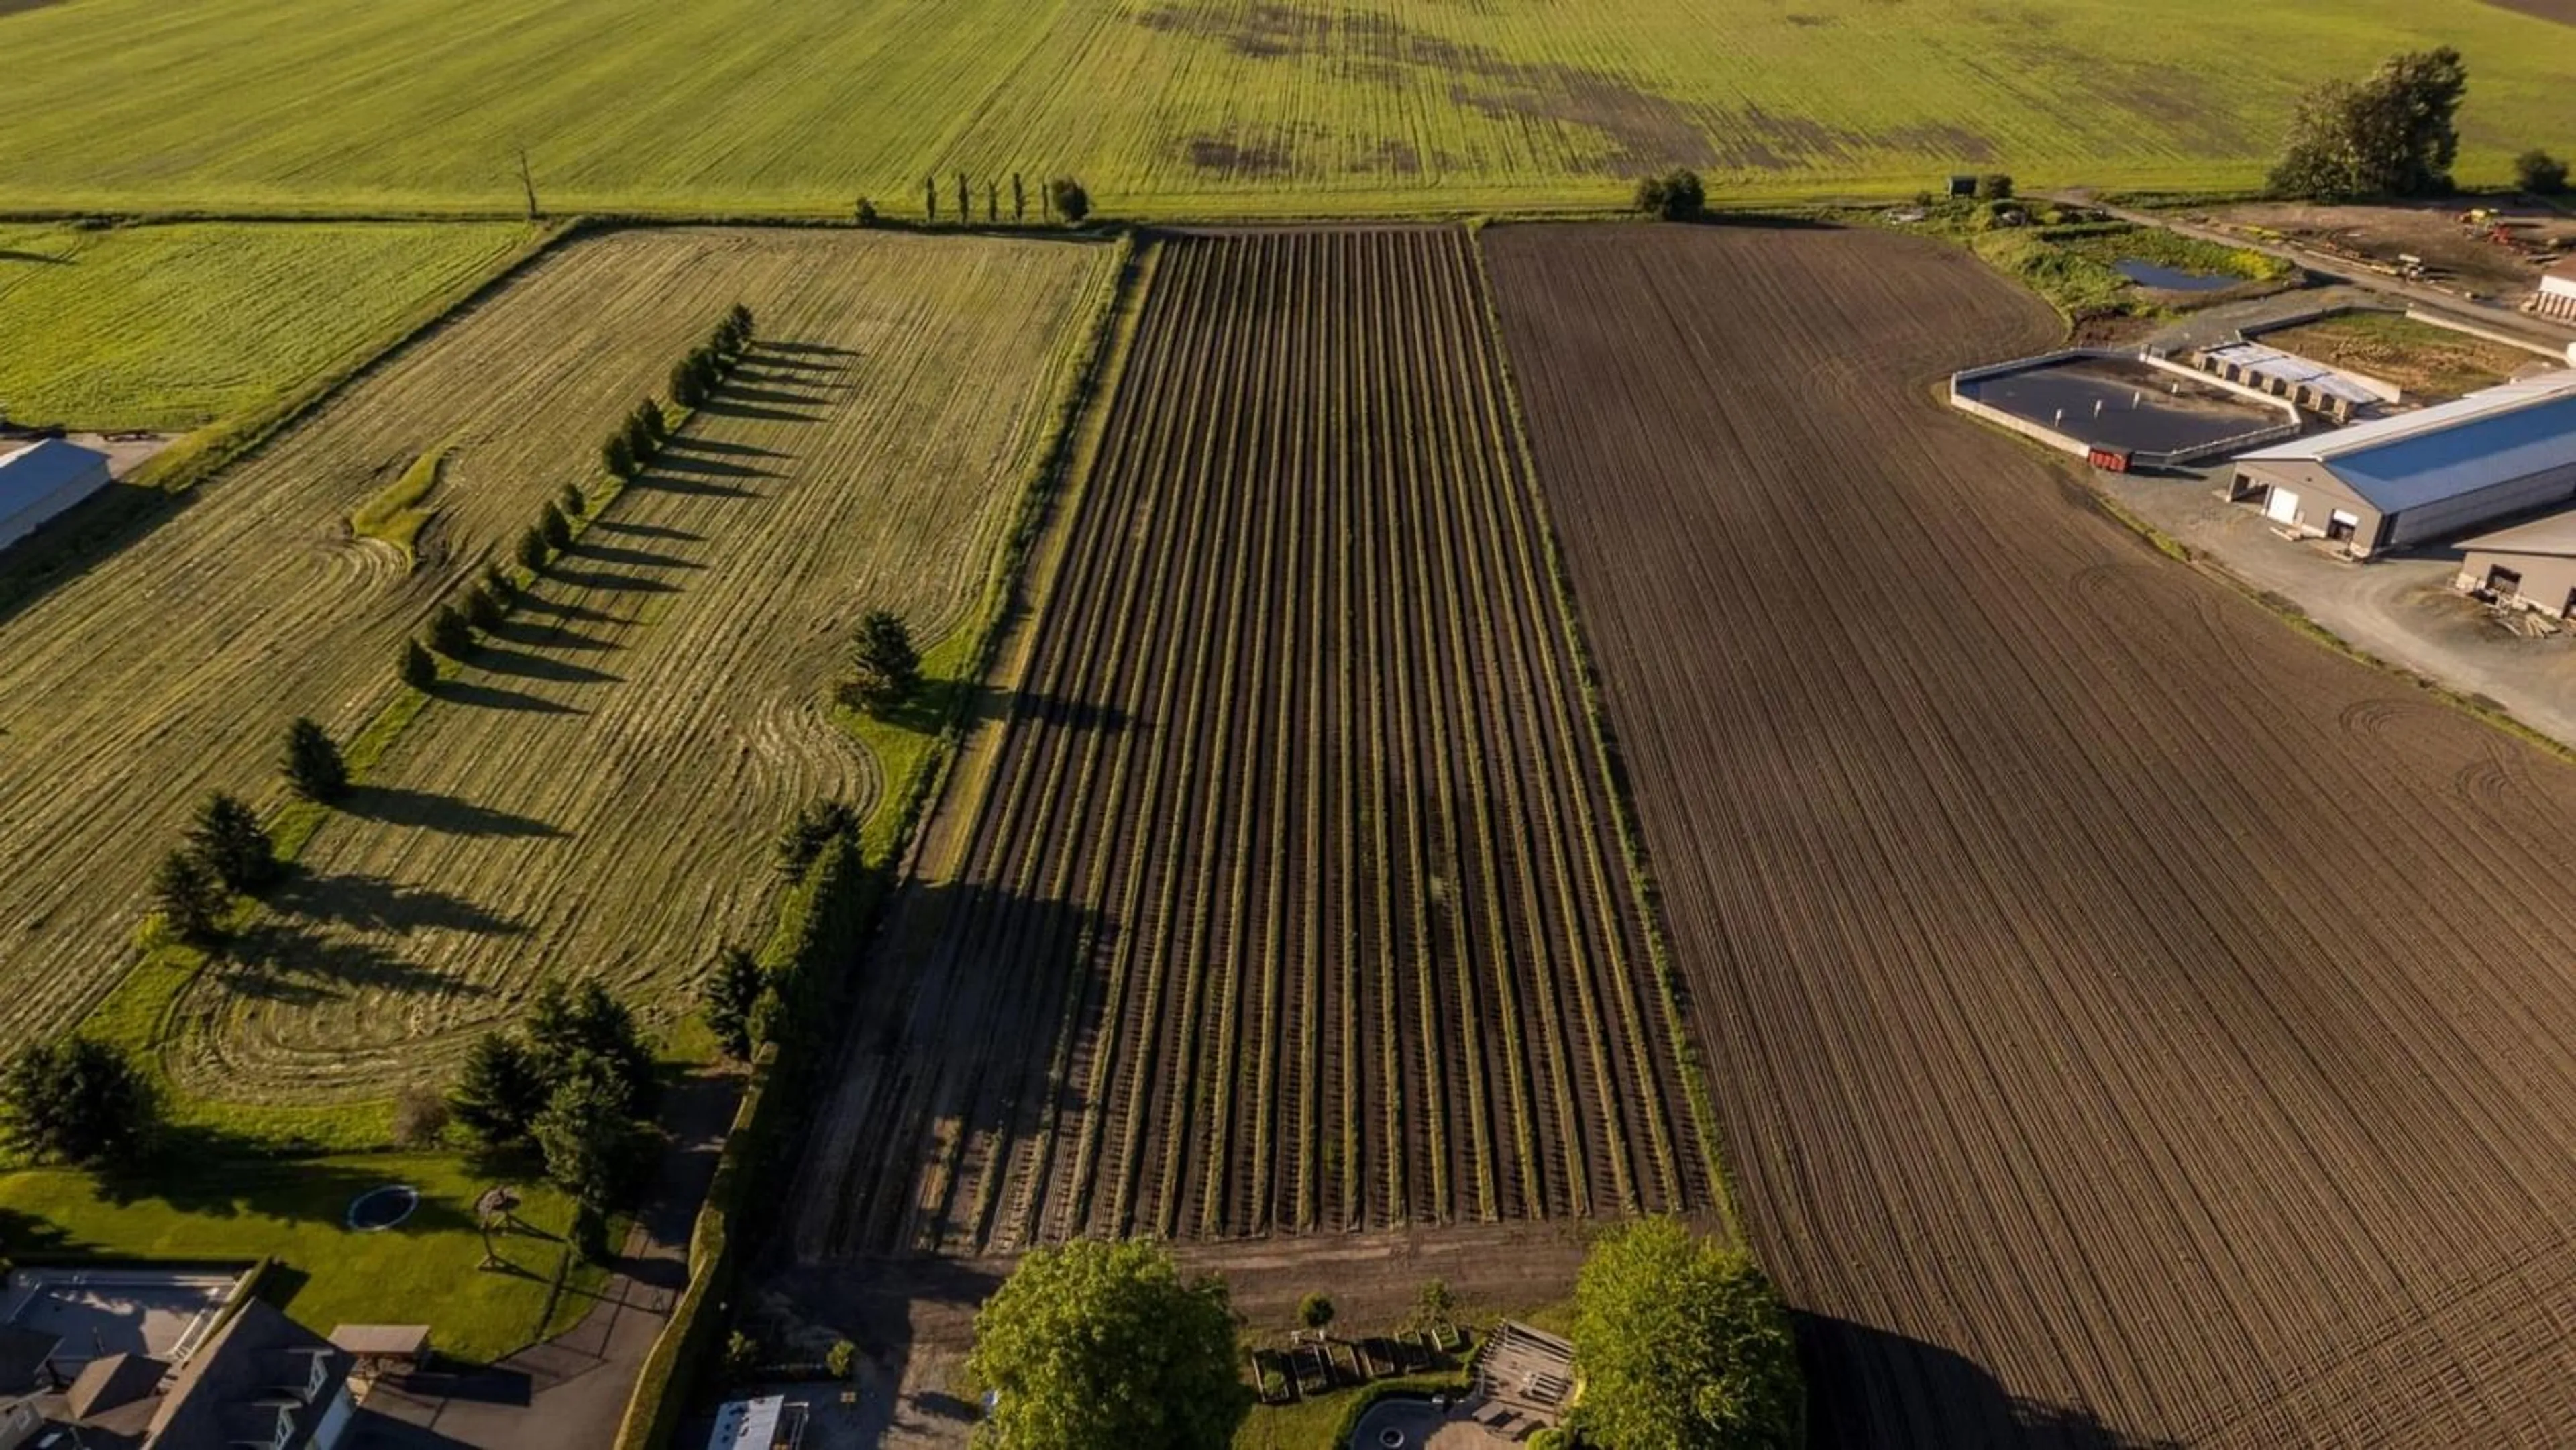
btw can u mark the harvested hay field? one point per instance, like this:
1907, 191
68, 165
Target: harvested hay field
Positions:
2130, 1022
171, 667
1294, 899
597, 791
167, 327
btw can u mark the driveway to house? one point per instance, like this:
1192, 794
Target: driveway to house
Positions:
571, 1390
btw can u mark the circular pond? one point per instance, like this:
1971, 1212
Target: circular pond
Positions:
382, 1208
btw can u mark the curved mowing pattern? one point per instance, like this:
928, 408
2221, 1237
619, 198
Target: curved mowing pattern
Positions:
1293, 902
172, 666
2130, 1025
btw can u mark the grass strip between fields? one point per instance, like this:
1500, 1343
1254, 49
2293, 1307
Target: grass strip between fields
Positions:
1614, 777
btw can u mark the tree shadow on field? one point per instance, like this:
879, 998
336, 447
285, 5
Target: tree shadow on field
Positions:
926, 711
373, 903
285, 962
692, 443
607, 582
446, 814
646, 531
527, 665
730, 405
686, 483
802, 349
539, 634
563, 609
707, 468
590, 552
493, 697
1868, 1387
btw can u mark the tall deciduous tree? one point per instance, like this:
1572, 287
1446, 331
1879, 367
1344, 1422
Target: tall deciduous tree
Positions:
1102, 1346
1674, 196
75, 1101
230, 841
2395, 134
190, 897
1070, 200
1682, 1343
314, 768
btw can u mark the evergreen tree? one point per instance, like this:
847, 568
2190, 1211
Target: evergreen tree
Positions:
802, 840
313, 765
587, 1024
930, 198
885, 668
732, 988
556, 529
74, 1101
740, 319
650, 414
498, 1091
686, 389
418, 670
449, 632
1019, 199
531, 552
483, 607
593, 1146
231, 843
572, 501
617, 455
190, 897
641, 440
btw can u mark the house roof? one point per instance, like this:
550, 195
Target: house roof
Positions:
35, 472
23, 1353
112, 1383
237, 1384
2489, 437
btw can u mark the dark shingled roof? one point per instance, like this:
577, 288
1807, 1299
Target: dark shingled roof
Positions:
23, 1353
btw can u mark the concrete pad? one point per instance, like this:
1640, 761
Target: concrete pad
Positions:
161, 1314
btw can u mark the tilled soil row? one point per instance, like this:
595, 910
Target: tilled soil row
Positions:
1294, 902
2130, 1022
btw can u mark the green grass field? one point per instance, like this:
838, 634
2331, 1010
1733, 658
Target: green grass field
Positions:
421, 1271
1180, 107
169, 327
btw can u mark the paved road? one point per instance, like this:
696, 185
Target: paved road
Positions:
2503, 319
570, 1391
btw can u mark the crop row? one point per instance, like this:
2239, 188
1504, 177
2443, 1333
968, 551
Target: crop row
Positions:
1293, 902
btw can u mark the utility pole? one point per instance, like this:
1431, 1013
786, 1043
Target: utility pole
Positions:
528, 183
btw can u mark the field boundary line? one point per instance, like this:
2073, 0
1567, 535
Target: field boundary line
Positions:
1623, 810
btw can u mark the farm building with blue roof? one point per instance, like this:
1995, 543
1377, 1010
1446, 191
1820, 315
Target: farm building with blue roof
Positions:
2421, 477
43, 479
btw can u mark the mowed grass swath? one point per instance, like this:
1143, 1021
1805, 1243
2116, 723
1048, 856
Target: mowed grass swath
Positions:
1293, 901
168, 327
171, 667
1169, 107
597, 790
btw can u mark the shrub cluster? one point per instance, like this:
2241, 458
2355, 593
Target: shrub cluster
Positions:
1675, 196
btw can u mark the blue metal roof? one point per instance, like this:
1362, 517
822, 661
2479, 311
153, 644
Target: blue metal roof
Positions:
2406, 473
32, 475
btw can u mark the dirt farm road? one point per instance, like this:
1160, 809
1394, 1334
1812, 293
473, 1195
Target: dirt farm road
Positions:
2129, 1021
2503, 319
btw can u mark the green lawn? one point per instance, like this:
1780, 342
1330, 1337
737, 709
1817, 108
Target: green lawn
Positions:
1173, 107
422, 1271
169, 327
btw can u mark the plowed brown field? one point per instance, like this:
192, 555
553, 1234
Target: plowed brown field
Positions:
1294, 901
2129, 1020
